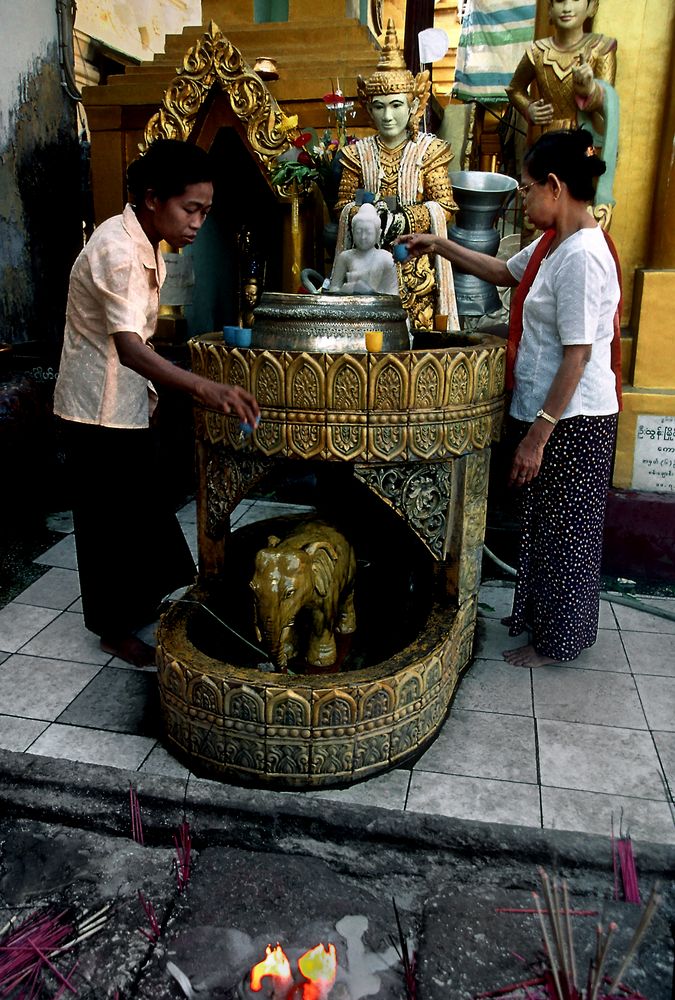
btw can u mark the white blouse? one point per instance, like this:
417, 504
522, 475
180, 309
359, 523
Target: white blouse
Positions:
572, 300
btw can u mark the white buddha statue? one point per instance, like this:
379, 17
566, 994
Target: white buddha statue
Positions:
365, 269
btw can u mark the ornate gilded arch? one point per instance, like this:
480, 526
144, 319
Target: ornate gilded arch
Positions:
214, 59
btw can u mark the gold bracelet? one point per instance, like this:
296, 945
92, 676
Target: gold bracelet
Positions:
547, 416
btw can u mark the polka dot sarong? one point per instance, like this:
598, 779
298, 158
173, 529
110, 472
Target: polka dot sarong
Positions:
557, 595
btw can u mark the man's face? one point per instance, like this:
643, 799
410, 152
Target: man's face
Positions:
390, 114
178, 219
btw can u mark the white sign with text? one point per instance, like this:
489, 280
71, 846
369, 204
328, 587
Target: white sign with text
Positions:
654, 461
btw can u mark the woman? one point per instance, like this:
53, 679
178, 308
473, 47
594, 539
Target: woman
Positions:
566, 393
130, 549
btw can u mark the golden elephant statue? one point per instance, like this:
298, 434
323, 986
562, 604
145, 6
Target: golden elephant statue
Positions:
304, 593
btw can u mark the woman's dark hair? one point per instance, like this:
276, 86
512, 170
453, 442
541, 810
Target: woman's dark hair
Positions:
569, 154
167, 168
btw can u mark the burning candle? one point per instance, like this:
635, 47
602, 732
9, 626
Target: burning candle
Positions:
276, 966
319, 967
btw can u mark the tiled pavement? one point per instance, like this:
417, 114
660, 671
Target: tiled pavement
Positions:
561, 747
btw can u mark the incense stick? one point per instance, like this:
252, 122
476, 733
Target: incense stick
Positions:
640, 931
549, 950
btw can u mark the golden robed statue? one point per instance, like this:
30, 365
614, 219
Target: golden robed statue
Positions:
574, 73
404, 173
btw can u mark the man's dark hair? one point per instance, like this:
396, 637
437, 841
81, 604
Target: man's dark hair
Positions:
167, 168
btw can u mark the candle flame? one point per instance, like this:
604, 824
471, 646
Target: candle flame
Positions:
274, 964
319, 966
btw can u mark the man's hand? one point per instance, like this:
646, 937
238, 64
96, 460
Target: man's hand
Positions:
227, 399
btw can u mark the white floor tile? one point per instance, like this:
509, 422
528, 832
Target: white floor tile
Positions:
474, 798
495, 601
589, 812
58, 588
188, 513
665, 746
571, 694
492, 638
650, 652
62, 554
658, 698
599, 759
495, 686
20, 622
160, 761
60, 521
483, 745
66, 638
632, 620
18, 734
387, 791
93, 746
39, 688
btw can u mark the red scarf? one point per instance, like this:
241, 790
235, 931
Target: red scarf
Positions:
519, 294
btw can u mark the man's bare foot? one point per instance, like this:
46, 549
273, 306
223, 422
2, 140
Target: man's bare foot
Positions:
130, 649
526, 656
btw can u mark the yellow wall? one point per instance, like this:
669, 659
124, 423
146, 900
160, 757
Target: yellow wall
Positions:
644, 32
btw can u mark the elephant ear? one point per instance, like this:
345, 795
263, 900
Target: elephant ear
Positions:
323, 557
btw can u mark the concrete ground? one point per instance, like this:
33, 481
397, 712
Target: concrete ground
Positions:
528, 769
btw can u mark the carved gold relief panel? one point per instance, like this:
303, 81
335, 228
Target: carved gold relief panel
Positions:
388, 382
305, 381
346, 382
268, 383
427, 382
305, 434
346, 435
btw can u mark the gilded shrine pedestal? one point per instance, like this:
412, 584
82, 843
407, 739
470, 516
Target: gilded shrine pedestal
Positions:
415, 428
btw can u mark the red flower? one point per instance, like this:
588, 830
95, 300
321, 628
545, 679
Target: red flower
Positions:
303, 140
333, 99
305, 159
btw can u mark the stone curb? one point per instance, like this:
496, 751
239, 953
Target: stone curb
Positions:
96, 798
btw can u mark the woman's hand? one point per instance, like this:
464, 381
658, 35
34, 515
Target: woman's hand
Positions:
226, 399
528, 458
418, 243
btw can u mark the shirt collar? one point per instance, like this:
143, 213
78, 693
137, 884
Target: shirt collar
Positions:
149, 257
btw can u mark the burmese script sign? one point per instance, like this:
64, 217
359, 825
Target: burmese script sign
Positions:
654, 462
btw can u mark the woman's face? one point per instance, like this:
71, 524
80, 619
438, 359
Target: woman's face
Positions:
537, 201
178, 219
391, 113
570, 13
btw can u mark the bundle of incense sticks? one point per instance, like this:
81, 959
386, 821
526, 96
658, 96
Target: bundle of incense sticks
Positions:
136, 821
183, 843
155, 931
408, 961
623, 860
560, 981
27, 950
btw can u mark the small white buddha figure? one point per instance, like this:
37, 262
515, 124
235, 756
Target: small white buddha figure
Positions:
366, 269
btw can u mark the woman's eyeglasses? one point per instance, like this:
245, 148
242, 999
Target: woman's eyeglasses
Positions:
524, 188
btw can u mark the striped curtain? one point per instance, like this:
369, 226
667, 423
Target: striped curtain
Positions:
492, 40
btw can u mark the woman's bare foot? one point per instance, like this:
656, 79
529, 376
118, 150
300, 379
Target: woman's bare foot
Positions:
526, 656
130, 649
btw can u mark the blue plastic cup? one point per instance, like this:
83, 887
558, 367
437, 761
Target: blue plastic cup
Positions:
401, 252
230, 335
243, 337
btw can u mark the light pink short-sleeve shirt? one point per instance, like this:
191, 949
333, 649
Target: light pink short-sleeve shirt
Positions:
114, 287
